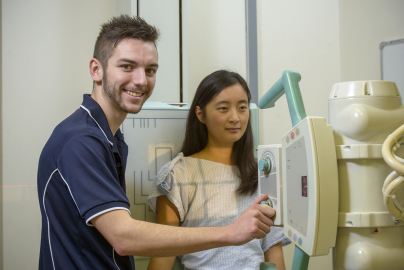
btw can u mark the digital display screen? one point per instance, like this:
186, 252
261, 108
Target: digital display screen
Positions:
304, 185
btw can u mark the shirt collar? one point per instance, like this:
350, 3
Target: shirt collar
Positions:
97, 114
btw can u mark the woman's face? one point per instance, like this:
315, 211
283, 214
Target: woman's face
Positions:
226, 116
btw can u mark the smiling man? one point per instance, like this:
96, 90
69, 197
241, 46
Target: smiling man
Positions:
86, 222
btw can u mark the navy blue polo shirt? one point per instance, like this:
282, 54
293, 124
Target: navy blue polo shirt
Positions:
81, 175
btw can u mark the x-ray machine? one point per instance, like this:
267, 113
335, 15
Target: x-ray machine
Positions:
329, 183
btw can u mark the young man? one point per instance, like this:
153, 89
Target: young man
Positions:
86, 222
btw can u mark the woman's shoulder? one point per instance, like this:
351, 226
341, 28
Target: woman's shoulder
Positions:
173, 171
171, 165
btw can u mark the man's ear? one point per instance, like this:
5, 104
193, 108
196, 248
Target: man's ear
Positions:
199, 114
96, 70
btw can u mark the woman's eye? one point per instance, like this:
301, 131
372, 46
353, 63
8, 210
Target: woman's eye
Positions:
243, 108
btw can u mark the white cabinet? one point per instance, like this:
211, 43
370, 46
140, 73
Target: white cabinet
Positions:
166, 16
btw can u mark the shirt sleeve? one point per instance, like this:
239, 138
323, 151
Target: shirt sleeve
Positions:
87, 166
170, 183
274, 237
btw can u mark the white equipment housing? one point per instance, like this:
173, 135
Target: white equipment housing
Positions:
362, 114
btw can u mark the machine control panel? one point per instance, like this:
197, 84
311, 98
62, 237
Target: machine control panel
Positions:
269, 177
310, 186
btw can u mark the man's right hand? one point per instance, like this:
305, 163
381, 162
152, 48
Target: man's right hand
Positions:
254, 222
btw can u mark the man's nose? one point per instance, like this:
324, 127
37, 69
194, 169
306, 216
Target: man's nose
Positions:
139, 77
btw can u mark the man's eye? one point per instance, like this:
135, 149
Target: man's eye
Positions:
127, 67
151, 72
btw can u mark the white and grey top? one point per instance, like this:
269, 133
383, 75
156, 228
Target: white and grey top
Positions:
204, 193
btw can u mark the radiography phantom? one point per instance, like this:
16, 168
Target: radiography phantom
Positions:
327, 182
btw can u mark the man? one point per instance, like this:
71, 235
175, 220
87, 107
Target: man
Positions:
86, 222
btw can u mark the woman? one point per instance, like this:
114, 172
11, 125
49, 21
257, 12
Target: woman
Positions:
214, 178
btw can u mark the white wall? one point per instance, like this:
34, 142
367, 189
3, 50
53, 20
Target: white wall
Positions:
167, 86
364, 24
213, 38
302, 36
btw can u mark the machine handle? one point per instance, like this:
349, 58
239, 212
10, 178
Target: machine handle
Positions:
288, 84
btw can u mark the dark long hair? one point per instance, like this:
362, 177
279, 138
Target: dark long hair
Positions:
196, 134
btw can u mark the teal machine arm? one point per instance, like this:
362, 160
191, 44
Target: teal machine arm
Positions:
288, 84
